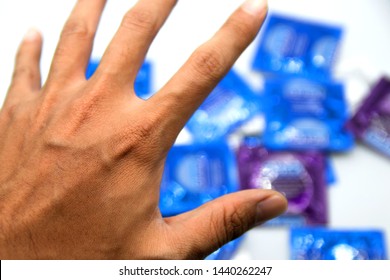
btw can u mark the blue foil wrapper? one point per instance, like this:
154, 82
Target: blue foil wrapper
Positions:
294, 46
227, 251
305, 114
328, 244
195, 174
227, 107
143, 81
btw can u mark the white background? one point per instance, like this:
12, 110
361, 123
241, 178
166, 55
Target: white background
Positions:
281, 270
360, 198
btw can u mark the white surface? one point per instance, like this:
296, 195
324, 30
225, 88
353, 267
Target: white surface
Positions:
360, 199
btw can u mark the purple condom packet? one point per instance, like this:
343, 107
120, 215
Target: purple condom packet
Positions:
371, 122
300, 176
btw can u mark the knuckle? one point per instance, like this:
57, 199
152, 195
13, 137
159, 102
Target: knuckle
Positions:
61, 51
9, 111
22, 71
17, 113
81, 111
140, 133
137, 141
138, 20
78, 28
208, 63
242, 30
216, 224
104, 86
142, 136
234, 222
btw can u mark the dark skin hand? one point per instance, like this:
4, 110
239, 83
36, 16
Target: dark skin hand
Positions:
81, 161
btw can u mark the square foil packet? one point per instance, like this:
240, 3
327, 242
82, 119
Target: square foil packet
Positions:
300, 176
371, 122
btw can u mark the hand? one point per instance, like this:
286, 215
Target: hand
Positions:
82, 161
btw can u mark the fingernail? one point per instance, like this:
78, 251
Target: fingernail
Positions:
31, 35
270, 208
254, 7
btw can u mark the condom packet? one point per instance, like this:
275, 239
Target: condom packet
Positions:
371, 122
331, 244
143, 81
195, 174
305, 114
227, 107
300, 176
227, 251
294, 46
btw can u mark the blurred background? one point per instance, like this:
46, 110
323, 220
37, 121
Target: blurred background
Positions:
359, 198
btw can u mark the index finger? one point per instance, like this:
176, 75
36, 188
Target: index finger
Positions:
188, 88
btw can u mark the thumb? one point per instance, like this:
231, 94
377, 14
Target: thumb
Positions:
205, 229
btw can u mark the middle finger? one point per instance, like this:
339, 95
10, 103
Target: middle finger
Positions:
126, 52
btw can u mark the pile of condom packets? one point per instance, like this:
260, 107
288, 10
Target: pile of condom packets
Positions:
305, 113
306, 120
304, 107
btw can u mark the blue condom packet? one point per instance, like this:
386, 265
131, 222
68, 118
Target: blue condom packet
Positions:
300, 176
371, 122
305, 114
228, 106
195, 174
226, 252
295, 46
143, 81
330, 244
